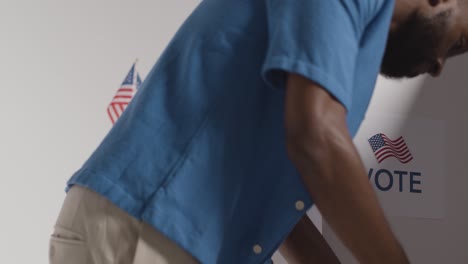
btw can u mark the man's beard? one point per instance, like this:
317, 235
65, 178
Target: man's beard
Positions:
411, 49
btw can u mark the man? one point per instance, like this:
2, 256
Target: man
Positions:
247, 120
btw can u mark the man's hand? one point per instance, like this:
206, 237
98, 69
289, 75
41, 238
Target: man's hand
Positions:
305, 244
321, 148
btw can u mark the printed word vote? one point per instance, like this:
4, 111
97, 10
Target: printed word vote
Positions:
405, 181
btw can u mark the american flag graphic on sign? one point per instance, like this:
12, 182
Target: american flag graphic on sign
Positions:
384, 148
124, 95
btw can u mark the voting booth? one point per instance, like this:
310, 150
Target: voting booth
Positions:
412, 145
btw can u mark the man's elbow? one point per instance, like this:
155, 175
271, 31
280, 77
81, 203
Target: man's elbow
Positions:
313, 156
302, 147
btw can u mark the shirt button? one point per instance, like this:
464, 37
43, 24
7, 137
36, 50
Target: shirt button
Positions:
300, 205
257, 249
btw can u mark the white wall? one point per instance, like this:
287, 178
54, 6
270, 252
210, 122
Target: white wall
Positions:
61, 63
443, 240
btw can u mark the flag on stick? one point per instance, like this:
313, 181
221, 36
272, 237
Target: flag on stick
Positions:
124, 94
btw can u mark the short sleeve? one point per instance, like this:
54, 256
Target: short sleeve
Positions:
318, 39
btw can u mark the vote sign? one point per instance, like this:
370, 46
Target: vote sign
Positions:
405, 162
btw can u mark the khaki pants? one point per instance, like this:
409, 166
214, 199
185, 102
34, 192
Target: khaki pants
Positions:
91, 230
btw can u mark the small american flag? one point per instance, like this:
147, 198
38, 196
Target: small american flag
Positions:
384, 148
124, 95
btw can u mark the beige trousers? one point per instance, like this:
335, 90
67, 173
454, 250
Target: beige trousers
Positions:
91, 230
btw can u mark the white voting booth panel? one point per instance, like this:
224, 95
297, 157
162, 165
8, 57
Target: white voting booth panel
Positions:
423, 196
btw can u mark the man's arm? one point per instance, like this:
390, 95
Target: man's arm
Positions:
305, 244
321, 148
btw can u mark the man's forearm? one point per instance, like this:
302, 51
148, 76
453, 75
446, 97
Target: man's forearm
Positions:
336, 180
305, 244
321, 148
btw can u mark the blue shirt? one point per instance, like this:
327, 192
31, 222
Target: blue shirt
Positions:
200, 152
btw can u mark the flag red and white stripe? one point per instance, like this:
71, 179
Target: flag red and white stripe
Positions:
120, 101
124, 95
